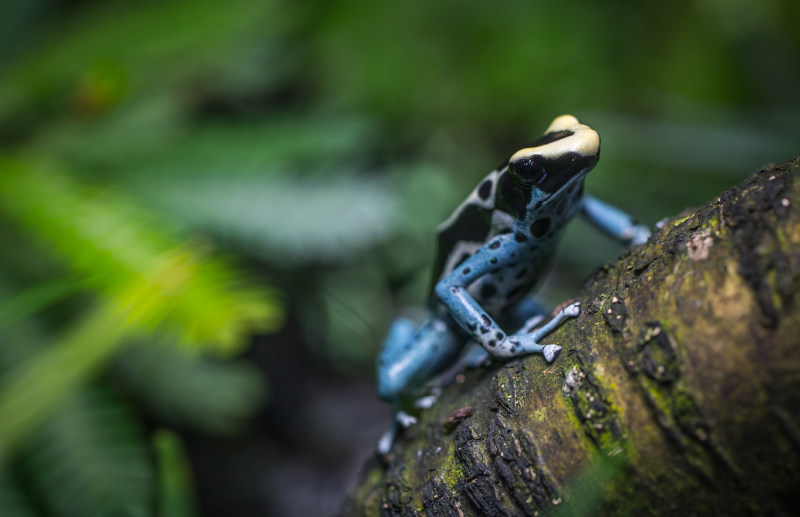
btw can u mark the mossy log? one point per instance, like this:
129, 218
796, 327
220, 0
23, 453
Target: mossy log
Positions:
678, 389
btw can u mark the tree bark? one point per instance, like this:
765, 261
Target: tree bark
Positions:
678, 389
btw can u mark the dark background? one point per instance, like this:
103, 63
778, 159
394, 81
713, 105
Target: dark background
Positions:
211, 211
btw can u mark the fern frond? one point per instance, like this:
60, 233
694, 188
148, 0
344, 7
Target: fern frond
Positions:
148, 283
91, 457
125, 253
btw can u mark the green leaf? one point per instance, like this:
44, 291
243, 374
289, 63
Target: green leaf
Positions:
283, 220
125, 253
91, 458
149, 282
175, 487
35, 388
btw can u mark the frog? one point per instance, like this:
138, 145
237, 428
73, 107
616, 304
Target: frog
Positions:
493, 250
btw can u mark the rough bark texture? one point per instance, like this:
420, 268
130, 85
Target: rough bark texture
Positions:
678, 389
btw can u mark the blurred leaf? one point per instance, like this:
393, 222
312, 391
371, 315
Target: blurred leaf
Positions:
587, 491
189, 390
150, 141
127, 255
311, 220
175, 490
35, 388
147, 280
91, 458
140, 39
34, 299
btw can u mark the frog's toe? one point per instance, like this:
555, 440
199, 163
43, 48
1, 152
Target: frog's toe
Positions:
551, 352
404, 419
387, 440
641, 234
428, 401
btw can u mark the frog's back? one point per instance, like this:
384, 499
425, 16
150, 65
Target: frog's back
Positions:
470, 226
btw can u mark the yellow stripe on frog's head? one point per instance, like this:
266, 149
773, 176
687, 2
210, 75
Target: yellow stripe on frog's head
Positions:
567, 149
568, 135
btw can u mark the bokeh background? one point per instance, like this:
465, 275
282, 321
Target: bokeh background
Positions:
211, 211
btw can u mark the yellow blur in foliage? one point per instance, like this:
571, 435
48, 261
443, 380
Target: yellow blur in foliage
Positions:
148, 281
147, 275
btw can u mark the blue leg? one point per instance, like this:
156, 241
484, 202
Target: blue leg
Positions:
466, 311
526, 315
411, 357
614, 222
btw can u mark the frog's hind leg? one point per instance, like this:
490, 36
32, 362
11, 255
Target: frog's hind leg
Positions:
400, 334
412, 356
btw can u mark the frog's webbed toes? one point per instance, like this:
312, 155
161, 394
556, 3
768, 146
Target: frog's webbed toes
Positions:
551, 352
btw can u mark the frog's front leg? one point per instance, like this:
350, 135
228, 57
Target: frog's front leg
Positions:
525, 316
470, 316
614, 222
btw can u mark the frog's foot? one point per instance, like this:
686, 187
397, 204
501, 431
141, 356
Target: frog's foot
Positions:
401, 420
429, 400
572, 309
551, 352
404, 419
639, 234
387, 439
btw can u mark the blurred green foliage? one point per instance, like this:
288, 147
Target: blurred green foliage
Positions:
167, 165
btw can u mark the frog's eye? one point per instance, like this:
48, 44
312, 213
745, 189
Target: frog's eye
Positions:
529, 170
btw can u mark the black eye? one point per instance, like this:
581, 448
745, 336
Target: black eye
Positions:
530, 170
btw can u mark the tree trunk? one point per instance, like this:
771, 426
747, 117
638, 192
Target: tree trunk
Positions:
678, 389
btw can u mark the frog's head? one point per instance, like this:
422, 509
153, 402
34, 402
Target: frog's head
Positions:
565, 154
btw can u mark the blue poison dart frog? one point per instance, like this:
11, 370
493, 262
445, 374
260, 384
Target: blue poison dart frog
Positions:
492, 251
